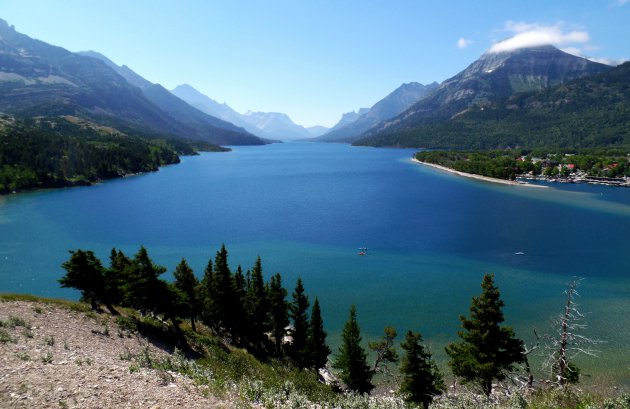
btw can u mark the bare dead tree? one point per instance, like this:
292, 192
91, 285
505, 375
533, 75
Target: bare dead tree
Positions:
569, 342
526, 366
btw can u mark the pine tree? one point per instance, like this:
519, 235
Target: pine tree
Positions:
186, 283
85, 273
115, 275
299, 309
488, 350
239, 314
256, 307
221, 292
206, 296
142, 288
421, 378
317, 347
352, 359
278, 310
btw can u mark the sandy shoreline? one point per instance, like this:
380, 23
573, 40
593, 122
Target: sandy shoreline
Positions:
478, 177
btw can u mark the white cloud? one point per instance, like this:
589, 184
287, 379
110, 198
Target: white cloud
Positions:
607, 61
463, 42
532, 35
621, 2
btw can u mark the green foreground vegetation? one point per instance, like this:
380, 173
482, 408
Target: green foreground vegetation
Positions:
237, 336
67, 151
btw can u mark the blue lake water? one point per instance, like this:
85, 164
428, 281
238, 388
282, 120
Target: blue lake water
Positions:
306, 208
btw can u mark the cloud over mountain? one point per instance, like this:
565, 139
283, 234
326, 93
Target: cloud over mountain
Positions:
532, 35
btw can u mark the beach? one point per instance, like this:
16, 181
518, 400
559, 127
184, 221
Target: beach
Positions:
478, 177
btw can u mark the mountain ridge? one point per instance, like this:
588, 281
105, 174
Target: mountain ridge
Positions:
484, 83
588, 112
182, 111
388, 107
39, 79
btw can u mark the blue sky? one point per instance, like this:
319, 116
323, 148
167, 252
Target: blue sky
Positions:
314, 60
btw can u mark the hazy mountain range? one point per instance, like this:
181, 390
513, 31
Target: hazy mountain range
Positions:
270, 125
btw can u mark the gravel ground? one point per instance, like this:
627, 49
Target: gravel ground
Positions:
72, 360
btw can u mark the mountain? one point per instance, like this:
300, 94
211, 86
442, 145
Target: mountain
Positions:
492, 78
211, 107
179, 109
317, 130
277, 125
270, 125
589, 112
349, 117
393, 104
38, 79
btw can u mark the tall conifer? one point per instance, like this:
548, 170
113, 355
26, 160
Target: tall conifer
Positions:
186, 283
256, 306
488, 350
222, 291
299, 315
278, 310
421, 378
239, 314
317, 348
352, 359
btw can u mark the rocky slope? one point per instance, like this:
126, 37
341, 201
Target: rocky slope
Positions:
54, 357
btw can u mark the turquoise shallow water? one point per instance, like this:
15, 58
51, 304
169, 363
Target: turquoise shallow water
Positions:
306, 208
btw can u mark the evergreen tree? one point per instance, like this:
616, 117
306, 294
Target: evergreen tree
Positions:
278, 310
352, 359
142, 288
221, 292
299, 309
186, 283
317, 347
206, 296
115, 275
85, 273
488, 350
239, 314
421, 378
256, 307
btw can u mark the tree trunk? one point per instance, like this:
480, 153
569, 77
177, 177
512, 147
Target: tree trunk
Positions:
487, 386
111, 309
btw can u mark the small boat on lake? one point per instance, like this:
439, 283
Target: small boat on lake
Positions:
519, 253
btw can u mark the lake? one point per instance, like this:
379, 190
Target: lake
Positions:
305, 208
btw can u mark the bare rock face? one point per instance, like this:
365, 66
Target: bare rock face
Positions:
54, 357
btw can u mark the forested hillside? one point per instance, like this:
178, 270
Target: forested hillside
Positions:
67, 151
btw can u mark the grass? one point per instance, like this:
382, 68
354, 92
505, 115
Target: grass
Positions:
71, 305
